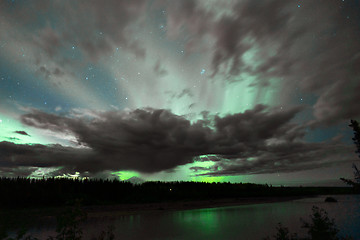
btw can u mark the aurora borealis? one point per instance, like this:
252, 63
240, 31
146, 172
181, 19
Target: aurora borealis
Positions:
255, 91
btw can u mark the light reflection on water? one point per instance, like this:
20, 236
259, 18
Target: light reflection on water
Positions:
238, 222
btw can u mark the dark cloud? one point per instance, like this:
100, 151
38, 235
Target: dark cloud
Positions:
37, 155
22, 133
18, 158
283, 158
147, 141
260, 140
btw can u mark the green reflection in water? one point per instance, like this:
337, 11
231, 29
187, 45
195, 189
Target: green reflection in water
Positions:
206, 221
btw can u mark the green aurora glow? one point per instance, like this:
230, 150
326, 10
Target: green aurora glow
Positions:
161, 56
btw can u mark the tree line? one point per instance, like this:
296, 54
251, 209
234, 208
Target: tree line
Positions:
26, 192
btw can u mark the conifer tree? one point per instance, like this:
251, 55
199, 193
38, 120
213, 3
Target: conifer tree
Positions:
356, 139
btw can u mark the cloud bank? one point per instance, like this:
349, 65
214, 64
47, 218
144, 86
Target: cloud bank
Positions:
261, 140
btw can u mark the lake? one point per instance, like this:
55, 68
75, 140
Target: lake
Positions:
238, 222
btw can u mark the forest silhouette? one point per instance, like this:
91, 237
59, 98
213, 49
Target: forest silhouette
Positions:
25, 192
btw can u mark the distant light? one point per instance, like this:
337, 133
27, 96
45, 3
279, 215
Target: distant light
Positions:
202, 71
299, 5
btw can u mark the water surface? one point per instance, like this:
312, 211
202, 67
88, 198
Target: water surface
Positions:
238, 222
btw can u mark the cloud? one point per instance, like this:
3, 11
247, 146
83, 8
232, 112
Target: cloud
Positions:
185, 92
22, 133
147, 141
304, 50
261, 140
341, 101
159, 70
111, 20
47, 73
57, 41
93, 27
283, 158
23, 157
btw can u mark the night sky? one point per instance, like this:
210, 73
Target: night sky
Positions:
251, 91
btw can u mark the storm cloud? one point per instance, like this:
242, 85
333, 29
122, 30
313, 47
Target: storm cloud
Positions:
261, 140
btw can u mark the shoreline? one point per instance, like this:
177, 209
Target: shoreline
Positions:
48, 215
140, 208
